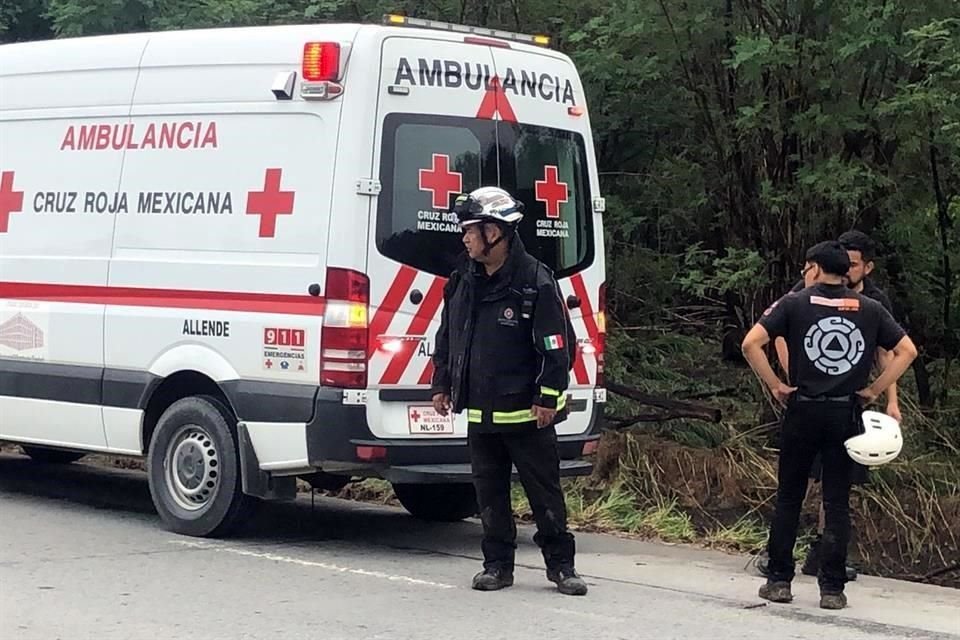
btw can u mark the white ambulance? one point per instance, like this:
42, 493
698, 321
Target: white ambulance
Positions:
225, 250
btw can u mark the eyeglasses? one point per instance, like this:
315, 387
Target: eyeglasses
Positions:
803, 272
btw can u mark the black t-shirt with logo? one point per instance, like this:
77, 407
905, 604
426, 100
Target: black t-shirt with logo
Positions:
832, 334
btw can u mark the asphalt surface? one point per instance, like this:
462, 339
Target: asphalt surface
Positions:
84, 555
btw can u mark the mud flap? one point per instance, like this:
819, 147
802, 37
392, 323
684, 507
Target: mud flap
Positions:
256, 482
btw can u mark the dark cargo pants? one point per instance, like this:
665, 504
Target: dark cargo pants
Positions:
809, 428
535, 455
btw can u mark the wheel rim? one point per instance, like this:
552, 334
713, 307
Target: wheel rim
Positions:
192, 468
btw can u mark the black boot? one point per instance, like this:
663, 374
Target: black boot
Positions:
567, 581
493, 580
776, 592
832, 600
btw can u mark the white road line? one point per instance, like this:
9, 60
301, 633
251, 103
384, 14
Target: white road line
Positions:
311, 563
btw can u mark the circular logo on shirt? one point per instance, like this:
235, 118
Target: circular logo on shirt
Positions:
508, 313
834, 345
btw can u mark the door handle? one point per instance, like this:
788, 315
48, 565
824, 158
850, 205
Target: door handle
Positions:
416, 297
573, 302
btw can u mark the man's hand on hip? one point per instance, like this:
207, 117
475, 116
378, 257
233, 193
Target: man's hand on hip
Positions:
782, 392
544, 416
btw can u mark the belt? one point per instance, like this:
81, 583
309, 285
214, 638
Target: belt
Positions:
848, 399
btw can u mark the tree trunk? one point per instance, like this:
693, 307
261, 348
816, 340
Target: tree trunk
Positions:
924, 394
943, 229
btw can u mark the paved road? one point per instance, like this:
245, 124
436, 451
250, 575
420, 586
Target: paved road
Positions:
83, 555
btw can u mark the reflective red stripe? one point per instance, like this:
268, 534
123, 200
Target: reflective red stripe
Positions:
164, 298
418, 327
427, 376
580, 369
590, 321
390, 305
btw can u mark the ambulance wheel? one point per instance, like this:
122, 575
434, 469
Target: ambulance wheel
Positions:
194, 469
51, 456
438, 502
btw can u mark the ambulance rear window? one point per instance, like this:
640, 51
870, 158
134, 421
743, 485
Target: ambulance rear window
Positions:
428, 160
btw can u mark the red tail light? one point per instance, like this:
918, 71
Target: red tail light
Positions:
601, 332
371, 454
321, 61
343, 346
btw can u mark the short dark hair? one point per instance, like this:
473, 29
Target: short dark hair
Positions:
831, 256
859, 241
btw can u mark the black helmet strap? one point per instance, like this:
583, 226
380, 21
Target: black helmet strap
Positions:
504, 232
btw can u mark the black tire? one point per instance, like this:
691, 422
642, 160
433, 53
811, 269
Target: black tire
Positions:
203, 494
438, 502
51, 456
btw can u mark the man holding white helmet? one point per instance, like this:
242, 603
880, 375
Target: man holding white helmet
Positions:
503, 354
861, 250
833, 334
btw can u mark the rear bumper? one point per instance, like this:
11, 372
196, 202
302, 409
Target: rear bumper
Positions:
336, 431
452, 473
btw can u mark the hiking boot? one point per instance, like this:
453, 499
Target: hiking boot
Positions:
833, 600
567, 581
776, 592
492, 580
811, 565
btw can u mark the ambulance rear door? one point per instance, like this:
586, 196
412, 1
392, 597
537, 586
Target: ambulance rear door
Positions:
431, 147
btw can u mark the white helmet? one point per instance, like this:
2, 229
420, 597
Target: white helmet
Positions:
488, 204
880, 441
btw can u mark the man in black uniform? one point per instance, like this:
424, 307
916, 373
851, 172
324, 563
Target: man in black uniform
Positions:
862, 251
503, 354
833, 334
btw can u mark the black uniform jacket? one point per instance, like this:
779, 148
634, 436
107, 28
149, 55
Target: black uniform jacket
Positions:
505, 343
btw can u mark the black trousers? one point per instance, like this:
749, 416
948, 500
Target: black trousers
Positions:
811, 428
535, 455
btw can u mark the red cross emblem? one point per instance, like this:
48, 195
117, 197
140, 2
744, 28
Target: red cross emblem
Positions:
268, 363
10, 201
494, 102
551, 191
441, 181
415, 415
270, 203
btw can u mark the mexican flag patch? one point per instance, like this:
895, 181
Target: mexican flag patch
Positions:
553, 342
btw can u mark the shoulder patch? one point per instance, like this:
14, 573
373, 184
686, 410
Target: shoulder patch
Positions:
552, 343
